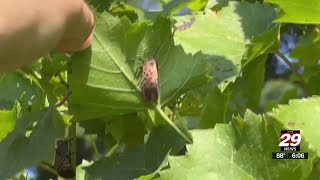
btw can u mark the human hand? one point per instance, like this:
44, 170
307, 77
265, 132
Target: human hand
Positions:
38, 26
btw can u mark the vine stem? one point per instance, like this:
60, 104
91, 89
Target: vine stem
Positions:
295, 71
73, 145
158, 108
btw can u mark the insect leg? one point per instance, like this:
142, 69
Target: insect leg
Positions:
138, 71
141, 60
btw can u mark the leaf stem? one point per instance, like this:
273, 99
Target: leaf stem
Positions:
47, 167
64, 99
63, 82
172, 124
295, 71
113, 150
94, 145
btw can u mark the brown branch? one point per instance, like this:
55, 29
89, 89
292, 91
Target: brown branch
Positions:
63, 81
64, 99
295, 71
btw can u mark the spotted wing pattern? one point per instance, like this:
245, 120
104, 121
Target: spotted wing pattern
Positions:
62, 161
149, 84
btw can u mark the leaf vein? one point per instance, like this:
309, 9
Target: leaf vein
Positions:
111, 88
116, 63
117, 107
104, 70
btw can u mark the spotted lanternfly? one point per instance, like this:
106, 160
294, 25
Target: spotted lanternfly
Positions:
149, 80
62, 161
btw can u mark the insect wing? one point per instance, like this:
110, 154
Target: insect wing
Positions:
149, 86
62, 161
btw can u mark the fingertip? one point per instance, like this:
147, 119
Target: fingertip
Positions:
76, 40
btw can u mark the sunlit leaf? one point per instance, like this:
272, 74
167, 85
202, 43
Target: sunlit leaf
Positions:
303, 115
13, 85
265, 43
307, 51
106, 73
8, 120
240, 150
223, 36
298, 11
31, 141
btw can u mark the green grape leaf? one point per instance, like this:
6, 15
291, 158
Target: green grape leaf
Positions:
53, 64
144, 160
98, 127
241, 149
122, 9
311, 71
103, 74
22, 177
31, 141
81, 173
277, 91
191, 104
13, 85
197, 5
8, 120
128, 129
100, 6
223, 36
298, 11
303, 115
216, 4
311, 75
172, 6
307, 51
106, 73
264, 43
215, 109
244, 93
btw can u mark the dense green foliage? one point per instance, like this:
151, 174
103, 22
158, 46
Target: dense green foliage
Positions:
216, 116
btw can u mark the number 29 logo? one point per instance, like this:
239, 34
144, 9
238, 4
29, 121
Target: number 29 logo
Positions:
290, 138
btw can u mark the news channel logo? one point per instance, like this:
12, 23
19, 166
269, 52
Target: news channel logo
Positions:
290, 146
